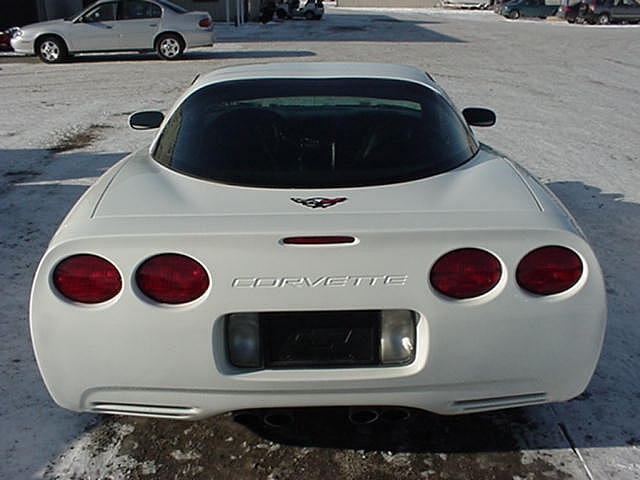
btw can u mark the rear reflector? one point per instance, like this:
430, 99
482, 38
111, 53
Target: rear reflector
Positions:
87, 279
172, 278
549, 270
465, 273
318, 240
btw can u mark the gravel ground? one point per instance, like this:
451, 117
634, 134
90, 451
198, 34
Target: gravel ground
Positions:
566, 99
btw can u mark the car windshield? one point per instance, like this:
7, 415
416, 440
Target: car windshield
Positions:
314, 133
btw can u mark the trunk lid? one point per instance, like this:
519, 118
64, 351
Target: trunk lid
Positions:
143, 188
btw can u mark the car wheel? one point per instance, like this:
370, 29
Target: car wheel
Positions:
514, 14
603, 19
169, 46
52, 50
309, 15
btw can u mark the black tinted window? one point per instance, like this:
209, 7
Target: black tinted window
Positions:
173, 6
134, 9
314, 133
104, 13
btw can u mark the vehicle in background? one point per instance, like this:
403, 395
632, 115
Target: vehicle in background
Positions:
569, 11
312, 10
109, 26
481, 4
498, 4
604, 12
5, 41
528, 8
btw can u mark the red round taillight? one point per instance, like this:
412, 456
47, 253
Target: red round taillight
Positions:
172, 278
87, 279
465, 273
549, 270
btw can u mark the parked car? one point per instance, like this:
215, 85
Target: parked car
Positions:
481, 4
498, 4
108, 25
570, 11
312, 9
528, 8
5, 41
316, 234
603, 12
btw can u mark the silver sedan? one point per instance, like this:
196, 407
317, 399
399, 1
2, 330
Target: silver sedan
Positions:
108, 25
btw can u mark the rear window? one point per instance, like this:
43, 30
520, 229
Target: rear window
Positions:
172, 6
300, 133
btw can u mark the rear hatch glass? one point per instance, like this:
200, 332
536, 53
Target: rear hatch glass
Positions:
314, 133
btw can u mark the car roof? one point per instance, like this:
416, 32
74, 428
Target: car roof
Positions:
317, 70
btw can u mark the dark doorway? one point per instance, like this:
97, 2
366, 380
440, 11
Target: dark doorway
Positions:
16, 13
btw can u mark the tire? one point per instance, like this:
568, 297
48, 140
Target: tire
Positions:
571, 20
514, 14
309, 15
603, 19
52, 50
169, 46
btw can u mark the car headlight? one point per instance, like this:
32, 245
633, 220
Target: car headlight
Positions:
17, 33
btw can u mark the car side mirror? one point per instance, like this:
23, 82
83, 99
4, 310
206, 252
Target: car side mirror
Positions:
146, 120
479, 117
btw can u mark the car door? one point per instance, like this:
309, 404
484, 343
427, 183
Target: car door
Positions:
139, 24
531, 8
631, 10
96, 30
616, 10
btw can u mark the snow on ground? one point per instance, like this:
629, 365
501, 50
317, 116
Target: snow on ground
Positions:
566, 98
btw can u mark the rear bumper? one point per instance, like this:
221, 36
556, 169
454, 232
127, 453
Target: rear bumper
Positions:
203, 38
505, 348
196, 404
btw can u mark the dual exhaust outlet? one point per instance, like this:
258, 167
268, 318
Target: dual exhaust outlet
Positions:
356, 415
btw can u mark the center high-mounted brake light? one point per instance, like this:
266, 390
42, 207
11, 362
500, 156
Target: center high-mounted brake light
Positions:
319, 240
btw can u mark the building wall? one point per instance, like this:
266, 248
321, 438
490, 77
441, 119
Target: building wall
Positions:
59, 8
49, 9
388, 3
218, 8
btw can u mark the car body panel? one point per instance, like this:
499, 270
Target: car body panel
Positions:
529, 8
134, 356
615, 10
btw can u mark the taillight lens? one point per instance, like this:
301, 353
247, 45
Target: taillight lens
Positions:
465, 273
172, 278
87, 279
205, 22
549, 270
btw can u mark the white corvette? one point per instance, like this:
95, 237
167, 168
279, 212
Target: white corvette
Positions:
314, 234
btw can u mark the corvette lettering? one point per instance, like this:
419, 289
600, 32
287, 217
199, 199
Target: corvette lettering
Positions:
337, 281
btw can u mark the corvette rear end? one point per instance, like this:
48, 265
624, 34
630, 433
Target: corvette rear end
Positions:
167, 293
